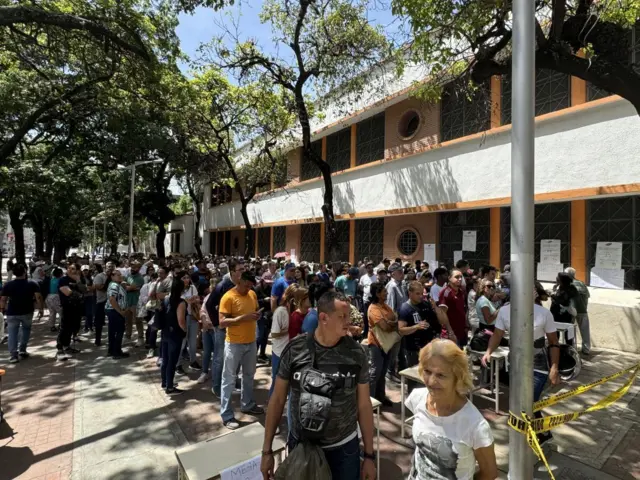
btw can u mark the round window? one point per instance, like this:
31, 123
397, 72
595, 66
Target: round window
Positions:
408, 242
409, 124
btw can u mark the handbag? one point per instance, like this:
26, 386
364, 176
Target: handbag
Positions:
386, 339
152, 304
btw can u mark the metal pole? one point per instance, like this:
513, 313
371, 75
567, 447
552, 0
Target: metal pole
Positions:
104, 241
522, 232
93, 247
133, 186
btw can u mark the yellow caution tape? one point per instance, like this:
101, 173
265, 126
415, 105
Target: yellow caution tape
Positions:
531, 427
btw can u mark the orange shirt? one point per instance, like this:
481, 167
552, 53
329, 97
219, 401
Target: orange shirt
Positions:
377, 312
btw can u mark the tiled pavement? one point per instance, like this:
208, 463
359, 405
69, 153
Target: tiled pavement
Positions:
97, 418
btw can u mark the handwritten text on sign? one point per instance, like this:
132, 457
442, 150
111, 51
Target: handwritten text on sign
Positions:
247, 470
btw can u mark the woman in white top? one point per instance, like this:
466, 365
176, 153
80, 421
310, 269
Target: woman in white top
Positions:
280, 330
474, 323
449, 432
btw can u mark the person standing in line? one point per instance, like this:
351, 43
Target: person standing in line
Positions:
395, 298
452, 297
158, 293
116, 310
53, 299
239, 315
486, 312
348, 283
72, 302
100, 285
280, 330
174, 311
365, 282
21, 294
440, 276
581, 303
264, 324
89, 298
10, 264
190, 295
302, 305
134, 282
384, 317
281, 284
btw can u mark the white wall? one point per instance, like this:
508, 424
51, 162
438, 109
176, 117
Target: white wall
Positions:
589, 148
184, 224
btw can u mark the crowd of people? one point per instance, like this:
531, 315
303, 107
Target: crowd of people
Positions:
339, 333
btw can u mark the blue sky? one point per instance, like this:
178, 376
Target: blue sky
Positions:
202, 26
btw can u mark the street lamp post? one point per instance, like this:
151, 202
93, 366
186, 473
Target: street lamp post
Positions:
133, 187
522, 232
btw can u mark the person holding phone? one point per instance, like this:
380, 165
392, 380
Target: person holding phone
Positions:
239, 314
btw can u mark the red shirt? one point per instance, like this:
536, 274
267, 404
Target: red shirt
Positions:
295, 324
456, 312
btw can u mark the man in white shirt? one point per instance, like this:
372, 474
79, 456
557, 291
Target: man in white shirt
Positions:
365, 282
440, 277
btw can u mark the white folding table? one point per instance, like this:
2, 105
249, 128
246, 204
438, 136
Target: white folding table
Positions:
499, 355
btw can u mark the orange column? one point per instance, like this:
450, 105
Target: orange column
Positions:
352, 242
353, 146
496, 104
578, 88
255, 243
494, 237
322, 242
324, 149
271, 243
579, 238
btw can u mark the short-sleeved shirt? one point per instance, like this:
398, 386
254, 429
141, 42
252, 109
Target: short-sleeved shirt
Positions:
365, 282
233, 304
278, 288
310, 322
279, 324
376, 313
542, 324
119, 293
296, 320
22, 294
53, 286
346, 359
164, 286
455, 303
190, 292
445, 445
435, 292
482, 302
134, 280
343, 284
395, 295
412, 314
100, 279
66, 281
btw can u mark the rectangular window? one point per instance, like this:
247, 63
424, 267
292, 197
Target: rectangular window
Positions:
220, 195
264, 242
310, 242
370, 139
308, 169
342, 240
616, 220
369, 239
464, 112
452, 224
553, 93
279, 239
339, 150
212, 243
552, 221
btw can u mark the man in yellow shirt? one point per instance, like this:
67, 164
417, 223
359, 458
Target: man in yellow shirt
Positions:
239, 315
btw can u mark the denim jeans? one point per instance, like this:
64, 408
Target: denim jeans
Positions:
264, 327
219, 335
192, 337
116, 332
539, 381
237, 355
151, 336
98, 320
393, 359
89, 307
344, 460
275, 362
378, 365
170, 356
19, 331
585, 333
208, 345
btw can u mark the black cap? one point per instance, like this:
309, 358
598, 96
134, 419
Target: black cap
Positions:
248, 276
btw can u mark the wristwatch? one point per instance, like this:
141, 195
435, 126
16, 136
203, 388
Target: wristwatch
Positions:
370, 456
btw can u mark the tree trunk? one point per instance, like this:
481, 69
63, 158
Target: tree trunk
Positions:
249, 236
59, 252
49, 244
38, 230
160, 236
197, 215
133, 245
17, 224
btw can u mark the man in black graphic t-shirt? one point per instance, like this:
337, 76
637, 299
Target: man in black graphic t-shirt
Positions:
339, 356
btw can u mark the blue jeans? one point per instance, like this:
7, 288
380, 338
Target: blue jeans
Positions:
116, 332
344, 461
89, 307
219, 335
99, 321
170, 356
192, 337
275, 362
19, 331
378, 365
539, 381
237, 355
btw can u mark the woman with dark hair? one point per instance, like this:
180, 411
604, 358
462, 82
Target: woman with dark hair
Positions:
381, 315
72, 302
563, 306
174, 328
115, 309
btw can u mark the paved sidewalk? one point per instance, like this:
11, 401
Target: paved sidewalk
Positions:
99, 418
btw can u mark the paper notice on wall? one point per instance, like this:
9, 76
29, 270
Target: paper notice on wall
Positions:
607, 278
293, 256
609, 255
457, 255
550, 251
548, 271
247, 470
429, 252
469, 240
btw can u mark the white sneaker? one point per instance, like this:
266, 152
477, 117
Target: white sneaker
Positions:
62, 356
203, 377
